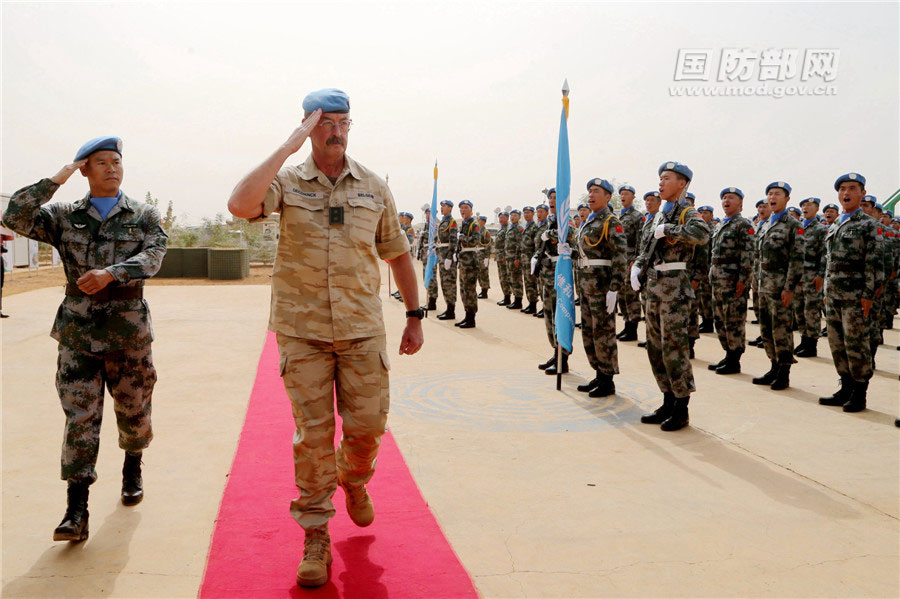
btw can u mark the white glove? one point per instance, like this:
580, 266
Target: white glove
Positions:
660, 231
459, 235
533, 265
544, 236
635, 282
448, 263
611, 301
486, 261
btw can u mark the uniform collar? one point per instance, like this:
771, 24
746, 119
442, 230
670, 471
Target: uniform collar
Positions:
728, 219
309, 170
84, 204
776, 216
845, 217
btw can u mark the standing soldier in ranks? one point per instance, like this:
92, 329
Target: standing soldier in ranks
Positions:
698, 265
831, 212
484, 258
422, 253
868, 205
469, 243
629, 299
779, 268
890, 288
514, 259
405, 219
677, 232
545, 258
531, 285
652, 203
584, 211
542, 213
729, 275
704, 295
853, 275
603, 254
446, 244
763, 212
810, 293
500, 253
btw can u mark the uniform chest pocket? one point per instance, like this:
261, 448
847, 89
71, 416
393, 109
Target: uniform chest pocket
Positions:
363, 218
305, 202
306, 212
127, 241
75, 245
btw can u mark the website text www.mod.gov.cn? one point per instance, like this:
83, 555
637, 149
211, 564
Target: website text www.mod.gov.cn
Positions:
773, 91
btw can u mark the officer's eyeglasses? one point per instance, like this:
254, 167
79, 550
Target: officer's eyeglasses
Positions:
329, 126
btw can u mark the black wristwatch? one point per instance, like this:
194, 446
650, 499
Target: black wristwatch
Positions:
419, 313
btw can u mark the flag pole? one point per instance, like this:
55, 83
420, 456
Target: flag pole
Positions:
565, 102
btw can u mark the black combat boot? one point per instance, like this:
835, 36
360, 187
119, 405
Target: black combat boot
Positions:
548, 363
590, 385
578, 301
857, 401
561, 368
504, 301
642, 344
531, 308
842, 395
468, 322
809, 348
449, 313
539, 314
873, 347
722, 362
606, 387
706, 326
769, 377
482, 294
691, 348
824, 332
663, 412
74, 525
732, 363
432, 304
629, 333
758, 342
679, 418
132, 484
782, 379
516, 305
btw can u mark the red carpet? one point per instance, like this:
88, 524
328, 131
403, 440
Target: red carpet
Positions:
256, 545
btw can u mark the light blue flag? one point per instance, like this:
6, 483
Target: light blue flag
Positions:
565, 291
432, 230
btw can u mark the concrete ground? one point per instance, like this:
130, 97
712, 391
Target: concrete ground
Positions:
541, 493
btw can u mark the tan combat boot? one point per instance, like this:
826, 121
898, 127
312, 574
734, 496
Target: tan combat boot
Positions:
359, 505
313, 570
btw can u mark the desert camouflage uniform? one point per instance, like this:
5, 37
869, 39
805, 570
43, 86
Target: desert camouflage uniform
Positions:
104, 339
629, 299
732, 249
327, 315
547, 254
446, 243
809, 316
528, 245
422, 253
779, 268
852, 272
469, 242
669, 296
514, 257
603, 249
484, 259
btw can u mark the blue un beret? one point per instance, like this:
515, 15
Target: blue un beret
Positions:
107, 142
706, 208
583, 205
482, 217
465, 203
551, 190
655, 194
834, 206
544, 206
602, 183
779, 185
527, 208
733, 190
889, 213
690, 196
879, 207
816, 200
627, 188
762, 201
328, 99
794, 209
409, 214
849, 177
447, 202
870, 199
515, 211
504, 212
676, 167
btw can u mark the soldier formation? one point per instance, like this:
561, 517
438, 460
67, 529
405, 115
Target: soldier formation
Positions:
691, 273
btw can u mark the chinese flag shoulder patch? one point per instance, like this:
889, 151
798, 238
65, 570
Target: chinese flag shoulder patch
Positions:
879, 230
800, 231
619, 229
750, 231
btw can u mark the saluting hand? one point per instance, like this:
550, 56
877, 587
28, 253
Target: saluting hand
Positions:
94, 280
67, 171
298, 137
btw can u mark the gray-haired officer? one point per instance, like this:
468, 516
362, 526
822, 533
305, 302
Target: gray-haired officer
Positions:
629, 299
446, 244
108, 243
810, 294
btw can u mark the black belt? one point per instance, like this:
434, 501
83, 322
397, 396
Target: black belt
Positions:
108, 293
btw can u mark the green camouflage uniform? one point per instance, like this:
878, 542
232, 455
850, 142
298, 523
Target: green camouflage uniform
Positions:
103, 338
732, 249
779, 268
699, 267
547, 255
629, 299
411, 237
484, 259
500, 253
669, 297
446, 244
528, 245
422, 253
469, 242
513, 256
810, 320
852, 272
604, 253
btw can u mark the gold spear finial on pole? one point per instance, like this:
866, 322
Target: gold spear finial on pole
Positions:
565, 99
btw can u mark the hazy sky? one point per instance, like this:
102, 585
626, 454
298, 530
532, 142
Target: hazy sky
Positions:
201, 93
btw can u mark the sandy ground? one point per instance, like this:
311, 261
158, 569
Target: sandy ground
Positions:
541, 493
